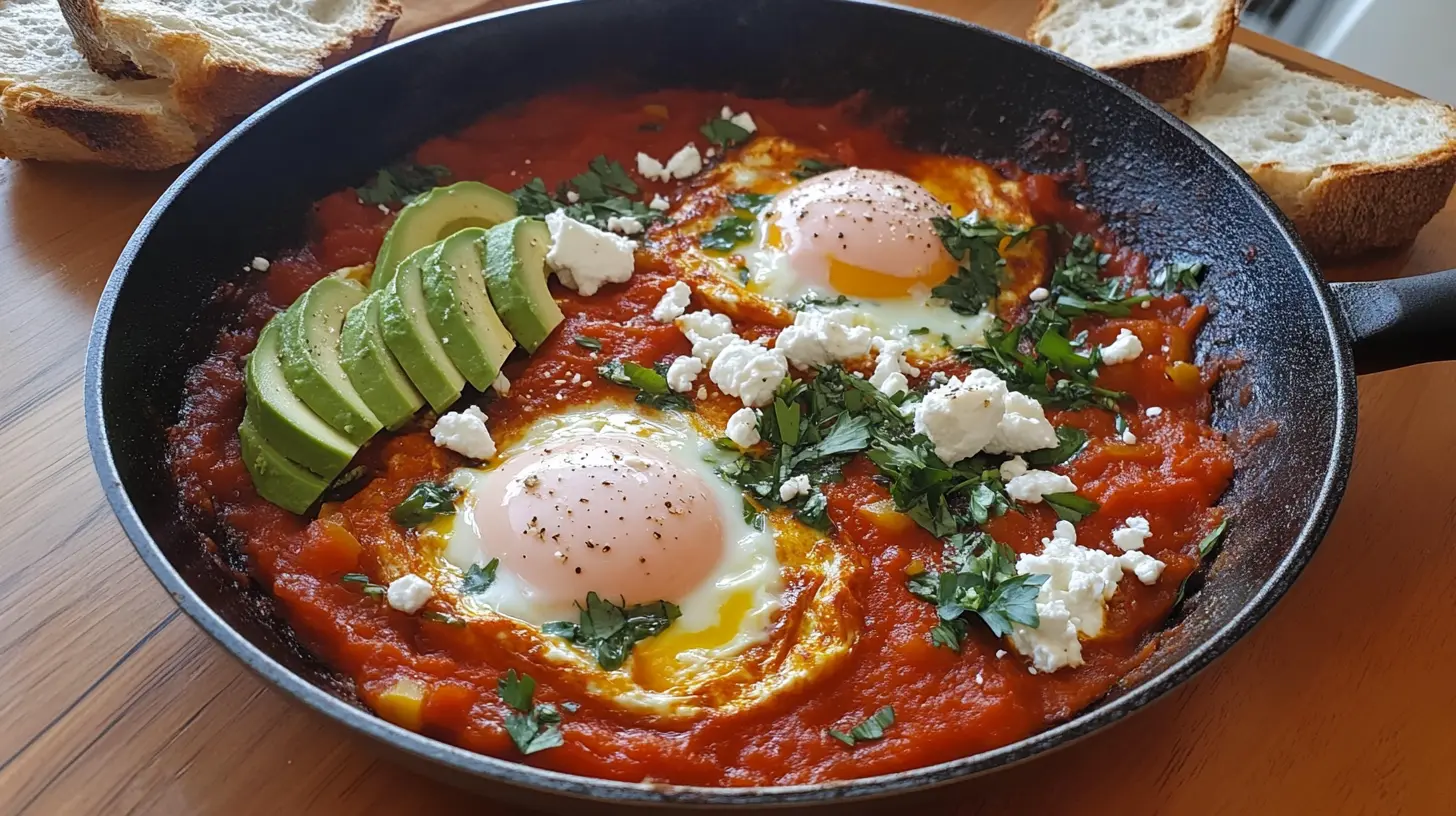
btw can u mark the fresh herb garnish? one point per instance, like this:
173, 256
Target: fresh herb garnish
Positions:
979, 582
809, 168
1211, 541
1176, 276
603, 191
532, 727
442, 617
1070, 506
366, 586
1050, 372
427, 501
610, 631
976, 244
811, 300
401, 182
587, 342
724, 132
1070, 440
651, 384
479, 578
753, 202
871, 729
814, 512
729, 232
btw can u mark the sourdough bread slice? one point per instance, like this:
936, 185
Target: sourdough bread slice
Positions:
54, 107
225, 58
1355, 170
1168, 50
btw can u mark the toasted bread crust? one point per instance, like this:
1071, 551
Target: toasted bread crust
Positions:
38, 124
84, 20
1172, 80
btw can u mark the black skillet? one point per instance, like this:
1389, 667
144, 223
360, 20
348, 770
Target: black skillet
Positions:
964, 90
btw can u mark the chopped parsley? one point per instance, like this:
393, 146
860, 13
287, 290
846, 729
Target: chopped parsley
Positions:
610, 630
366, 586
979, 582
811, 300
871, 729
724, 132
587, 342
976, 244
401, 182
651, 384
1070, 441
1070, 506
532, 726
479, 578
442, 617
426, 502
1210, 542
753, 202
603, 191
729, 232
1177, 276
809, 168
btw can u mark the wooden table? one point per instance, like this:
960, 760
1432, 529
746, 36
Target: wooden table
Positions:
112, 701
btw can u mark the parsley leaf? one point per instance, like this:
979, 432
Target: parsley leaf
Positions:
729, 232
808, 168
602, 192
980, 579
532, 727
366, 586
807, 301
1177, 276
427, 501
478, 579
587, 342
871, 729
401, 182
610, 631
724, 133
532, 198
651, 384
976, 244
1070, 441
1211, 541
815, 511
1070, 506
753, 202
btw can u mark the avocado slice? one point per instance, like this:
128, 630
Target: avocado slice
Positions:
309, 351
437, 215
371, 367
277, 478
460, 310
288, 424
404, 321
515, 276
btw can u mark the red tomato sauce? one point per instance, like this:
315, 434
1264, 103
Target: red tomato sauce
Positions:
947, 704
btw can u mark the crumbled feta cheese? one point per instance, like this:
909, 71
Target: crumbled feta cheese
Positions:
891, 369
260, 264
673, 303
1147, 568
1000, 653
1154, 411
726, 113
1072, 601
708, 332
501, 385
744, 121
1132, 534
793, 488
682, 373
1039, 294
742, 428
961, 416
821, 337
1129, 438
1147, 304
572, 196
1013, 467
1032, 486
659, 203
465, 433
1126, 348
749, 371
584, 257
1024, 427
686, 162
627, 225
702, 392
651, 168
710, 152
409, 593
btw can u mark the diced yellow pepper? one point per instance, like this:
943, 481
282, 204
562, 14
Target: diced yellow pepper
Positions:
402, 704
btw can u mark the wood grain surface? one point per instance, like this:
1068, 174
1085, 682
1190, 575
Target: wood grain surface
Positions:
112, 701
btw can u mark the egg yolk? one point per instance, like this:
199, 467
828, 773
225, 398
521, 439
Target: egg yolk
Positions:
862, 233
611, 515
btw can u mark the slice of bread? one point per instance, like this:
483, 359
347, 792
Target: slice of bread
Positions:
54, 107
1355, 170
1168, 50
225, 58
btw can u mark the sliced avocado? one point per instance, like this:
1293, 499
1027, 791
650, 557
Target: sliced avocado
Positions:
371, 367
276, 477
515, 276
404, 321
460, 310
437, 215
308, 347
288, 424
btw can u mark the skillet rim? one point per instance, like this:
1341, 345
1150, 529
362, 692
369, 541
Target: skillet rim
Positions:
529, 779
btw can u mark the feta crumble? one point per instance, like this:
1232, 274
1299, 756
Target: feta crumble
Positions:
651, 168
1023, 428
1154, 411
892, 372
260, 264
1132, 534
1034, 485
627, 225
1071, 602
1129, 438
1039, 294
742, 428
658, 203
708, 332
673, 303
686, 162
409, 593
1126, 348
793, 488
749, 371
682, 373
702, 392
820, 337
572, 196
465, 433
584, 257
961, 416
1147, 568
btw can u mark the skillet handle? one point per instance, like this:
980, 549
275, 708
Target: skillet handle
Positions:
1402, 321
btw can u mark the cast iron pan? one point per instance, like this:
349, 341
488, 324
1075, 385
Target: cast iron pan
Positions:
964, 90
